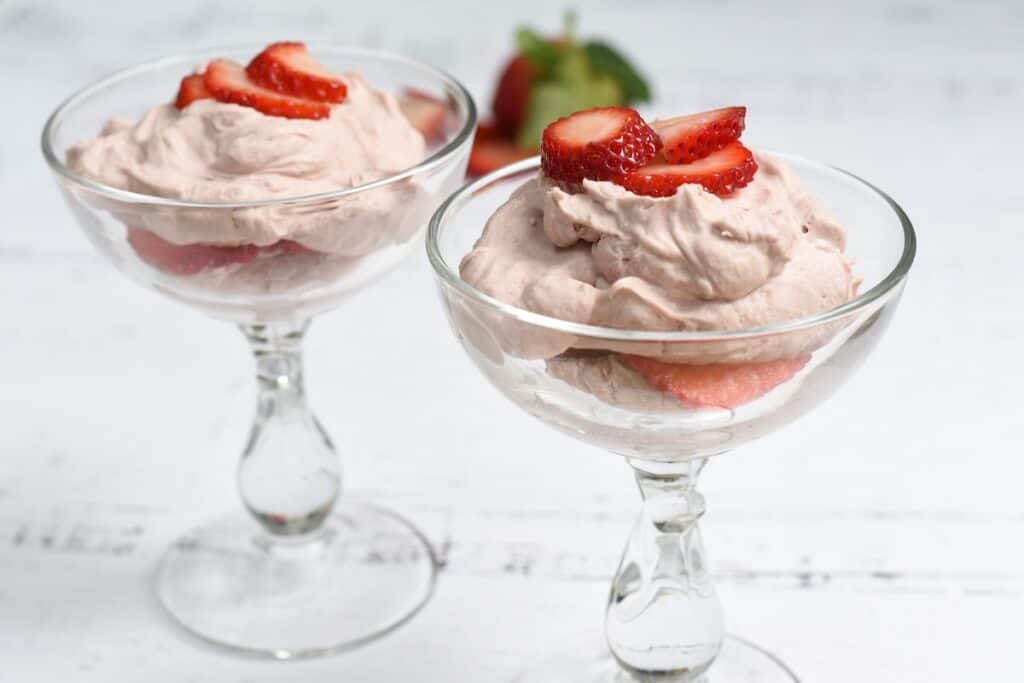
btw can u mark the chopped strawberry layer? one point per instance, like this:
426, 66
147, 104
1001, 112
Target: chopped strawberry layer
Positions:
189, 259
718, 385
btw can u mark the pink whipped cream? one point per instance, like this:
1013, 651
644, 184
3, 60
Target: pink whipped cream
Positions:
217, 152
692, 261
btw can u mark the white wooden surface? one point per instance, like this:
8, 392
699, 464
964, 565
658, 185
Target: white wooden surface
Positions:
879, 539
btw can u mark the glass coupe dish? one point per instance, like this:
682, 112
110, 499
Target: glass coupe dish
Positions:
301, 571
663, 620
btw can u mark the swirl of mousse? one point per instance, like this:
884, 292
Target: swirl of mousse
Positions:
213, 151
690, 261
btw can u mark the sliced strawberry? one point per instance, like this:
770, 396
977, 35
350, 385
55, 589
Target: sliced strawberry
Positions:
512, 95
286, 247
191, 89
425, 112
721, 172
288, 68
491, 151
189, 259
598, 144
688, 138
228, 82
722, 385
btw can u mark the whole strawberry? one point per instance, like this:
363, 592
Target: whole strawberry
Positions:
547, 79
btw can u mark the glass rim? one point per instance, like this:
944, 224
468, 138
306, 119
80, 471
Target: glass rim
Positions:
434, 160
452, 278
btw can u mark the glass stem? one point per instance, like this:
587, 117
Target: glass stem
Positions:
290, 475
663, 617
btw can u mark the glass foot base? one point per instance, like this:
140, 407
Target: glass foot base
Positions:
364, 573
739, 661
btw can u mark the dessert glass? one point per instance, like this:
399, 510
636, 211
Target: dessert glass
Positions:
663, 620
300, 571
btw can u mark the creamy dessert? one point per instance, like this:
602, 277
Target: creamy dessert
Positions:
282, 127
673, 226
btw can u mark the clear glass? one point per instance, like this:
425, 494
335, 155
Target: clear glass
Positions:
663, 620
302, 570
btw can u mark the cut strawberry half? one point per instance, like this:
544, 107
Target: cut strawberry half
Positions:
425, 112
598, 144
192, 88
512, 95
688, 138
189, 259
721, 172
720, 385
491, 151
287, 68
228, 82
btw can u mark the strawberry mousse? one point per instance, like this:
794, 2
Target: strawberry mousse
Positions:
280, 127
669, 226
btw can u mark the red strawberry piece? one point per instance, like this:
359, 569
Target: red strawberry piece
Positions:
721, 172
185, 259
488, 130
720, 385
189, 259
512, 95
425, 112
491, 151
599, 144
192, 88
228, 82
288, 68
688, 138
287, 247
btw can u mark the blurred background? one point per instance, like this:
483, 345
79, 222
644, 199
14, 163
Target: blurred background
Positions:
877, 539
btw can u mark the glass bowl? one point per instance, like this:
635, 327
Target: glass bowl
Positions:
301, 571
663, 620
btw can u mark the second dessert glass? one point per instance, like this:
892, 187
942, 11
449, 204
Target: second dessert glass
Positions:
301, 571
663, 620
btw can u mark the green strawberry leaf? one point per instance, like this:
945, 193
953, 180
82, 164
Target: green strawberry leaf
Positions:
537, 50
573, 66
604, 59
553, 99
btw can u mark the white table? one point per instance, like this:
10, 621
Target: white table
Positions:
880, 538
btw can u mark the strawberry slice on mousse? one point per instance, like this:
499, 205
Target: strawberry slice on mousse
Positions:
598, 144
616, 144
228, 82
722, 173
692, 137
192, 88
719, 385
287, 67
